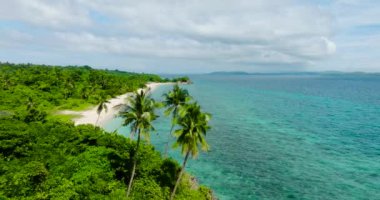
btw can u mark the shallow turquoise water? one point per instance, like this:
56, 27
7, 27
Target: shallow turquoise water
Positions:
286, 137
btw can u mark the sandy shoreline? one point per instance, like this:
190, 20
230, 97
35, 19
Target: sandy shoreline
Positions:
90, 116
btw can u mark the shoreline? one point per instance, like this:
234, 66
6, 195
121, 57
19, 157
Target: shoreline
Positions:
90, 116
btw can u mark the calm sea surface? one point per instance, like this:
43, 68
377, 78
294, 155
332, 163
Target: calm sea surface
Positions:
285, 137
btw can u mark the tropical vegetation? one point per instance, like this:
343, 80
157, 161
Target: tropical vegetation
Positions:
139, 114
102, 106
54, 88
191, 135
44, 156
174, 100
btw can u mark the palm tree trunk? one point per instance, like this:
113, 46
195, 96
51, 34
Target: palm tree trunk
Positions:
170, 133
134, 164
180, 175
167, 142
96, 123
131, 135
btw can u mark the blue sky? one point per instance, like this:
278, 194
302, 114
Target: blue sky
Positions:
194, 36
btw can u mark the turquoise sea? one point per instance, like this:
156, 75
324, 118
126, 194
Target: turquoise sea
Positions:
285, 137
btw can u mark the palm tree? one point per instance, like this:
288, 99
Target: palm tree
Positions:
34, 113
173, 100
139, 114
30, 104
102, 105
191, 135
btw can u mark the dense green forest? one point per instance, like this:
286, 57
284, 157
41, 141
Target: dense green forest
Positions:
45, 157
48, 88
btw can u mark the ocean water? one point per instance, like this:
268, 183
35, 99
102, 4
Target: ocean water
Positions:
285, 137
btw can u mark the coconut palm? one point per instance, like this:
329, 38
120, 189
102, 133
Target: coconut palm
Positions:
173, 100
191, 135
102, 105
139, 114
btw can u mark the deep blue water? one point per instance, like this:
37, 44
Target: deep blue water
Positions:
285, 137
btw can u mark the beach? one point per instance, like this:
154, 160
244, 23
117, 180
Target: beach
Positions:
90, 116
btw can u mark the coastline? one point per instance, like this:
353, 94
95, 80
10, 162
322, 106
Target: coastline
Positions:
90, 116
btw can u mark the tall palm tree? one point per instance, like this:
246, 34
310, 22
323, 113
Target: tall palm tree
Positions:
191, 135
102, 105
173, 100
139, 114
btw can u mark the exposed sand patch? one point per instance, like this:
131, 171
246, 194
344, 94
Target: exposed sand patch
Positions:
90, 116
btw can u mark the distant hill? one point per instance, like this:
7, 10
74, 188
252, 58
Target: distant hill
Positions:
229, 73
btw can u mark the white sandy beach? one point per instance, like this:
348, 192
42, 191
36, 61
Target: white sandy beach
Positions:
90, 116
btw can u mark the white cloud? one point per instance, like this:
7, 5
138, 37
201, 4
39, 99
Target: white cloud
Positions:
48, 13
236, 33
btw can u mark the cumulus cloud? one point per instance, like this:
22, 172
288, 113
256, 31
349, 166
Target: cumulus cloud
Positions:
239, 33
56, 14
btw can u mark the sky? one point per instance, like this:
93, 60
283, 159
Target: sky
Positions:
194, 36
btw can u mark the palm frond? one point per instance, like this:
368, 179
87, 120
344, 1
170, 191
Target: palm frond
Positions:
193, 128
139, 113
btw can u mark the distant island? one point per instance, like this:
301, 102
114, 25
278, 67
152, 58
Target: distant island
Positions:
229, 73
